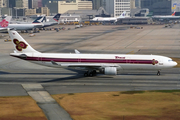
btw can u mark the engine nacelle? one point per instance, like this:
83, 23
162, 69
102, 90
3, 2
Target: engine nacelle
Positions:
110, 71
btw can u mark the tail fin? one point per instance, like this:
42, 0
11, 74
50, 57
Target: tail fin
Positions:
5, 22
8, 18
40, 19
20, 45
173, 13
123, 14
56, 17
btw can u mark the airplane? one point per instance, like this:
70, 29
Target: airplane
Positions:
166, 16
109, 64
4, 24
103, 19
42, 19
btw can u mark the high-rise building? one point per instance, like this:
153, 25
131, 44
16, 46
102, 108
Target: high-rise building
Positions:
21, 3
30, 4
40, 3
138, 3
161, 7
97, 4
84, 5
120, 6
63, 6
35, 4
109, 6
43, 10
3, 3
132, 4
11, 3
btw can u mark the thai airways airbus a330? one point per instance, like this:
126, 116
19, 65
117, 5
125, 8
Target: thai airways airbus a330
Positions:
109, 64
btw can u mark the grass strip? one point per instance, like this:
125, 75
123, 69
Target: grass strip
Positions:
130, 105
20, 108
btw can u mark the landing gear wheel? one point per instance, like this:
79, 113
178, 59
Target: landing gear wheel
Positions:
158, 73
91, 74
85, 74
94, 72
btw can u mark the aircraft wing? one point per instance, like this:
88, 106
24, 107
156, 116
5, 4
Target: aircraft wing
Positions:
5, 29
88, 65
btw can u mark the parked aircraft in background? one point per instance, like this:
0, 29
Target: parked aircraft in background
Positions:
4, 24
166, 16
106, 19
108, 64
42, 19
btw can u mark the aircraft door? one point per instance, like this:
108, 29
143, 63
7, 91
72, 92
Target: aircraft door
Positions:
160, 62
79, 59
40, 58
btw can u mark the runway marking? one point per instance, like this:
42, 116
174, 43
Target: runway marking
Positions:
49, 106
132, 52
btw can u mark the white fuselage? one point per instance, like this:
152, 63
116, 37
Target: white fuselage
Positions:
120, 61
101, 19
108, 64
166, 17
24, 26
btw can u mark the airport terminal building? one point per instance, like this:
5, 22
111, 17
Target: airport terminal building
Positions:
161, 7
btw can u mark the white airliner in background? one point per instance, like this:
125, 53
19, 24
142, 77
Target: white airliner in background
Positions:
4, 24
166, 16
108, 64
49, 22
104, 19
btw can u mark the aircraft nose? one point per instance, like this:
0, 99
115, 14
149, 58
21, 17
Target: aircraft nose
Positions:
175, 63
170, 64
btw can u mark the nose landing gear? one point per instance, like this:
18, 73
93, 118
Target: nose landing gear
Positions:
158, 73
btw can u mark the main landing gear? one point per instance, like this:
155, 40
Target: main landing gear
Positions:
90, 73
158, 73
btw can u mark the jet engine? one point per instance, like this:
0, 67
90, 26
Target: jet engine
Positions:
110, 71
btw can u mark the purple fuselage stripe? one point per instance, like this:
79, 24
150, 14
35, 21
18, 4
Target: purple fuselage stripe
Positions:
88, 60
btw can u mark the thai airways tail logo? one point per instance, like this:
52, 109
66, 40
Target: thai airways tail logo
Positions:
19, 45
4, 23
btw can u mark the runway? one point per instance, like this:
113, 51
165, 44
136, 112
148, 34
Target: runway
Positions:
58, 81
92, 39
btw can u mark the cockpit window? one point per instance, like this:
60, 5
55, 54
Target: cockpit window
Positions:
170, 60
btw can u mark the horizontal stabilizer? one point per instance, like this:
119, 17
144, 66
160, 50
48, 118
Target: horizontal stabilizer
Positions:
76, 51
